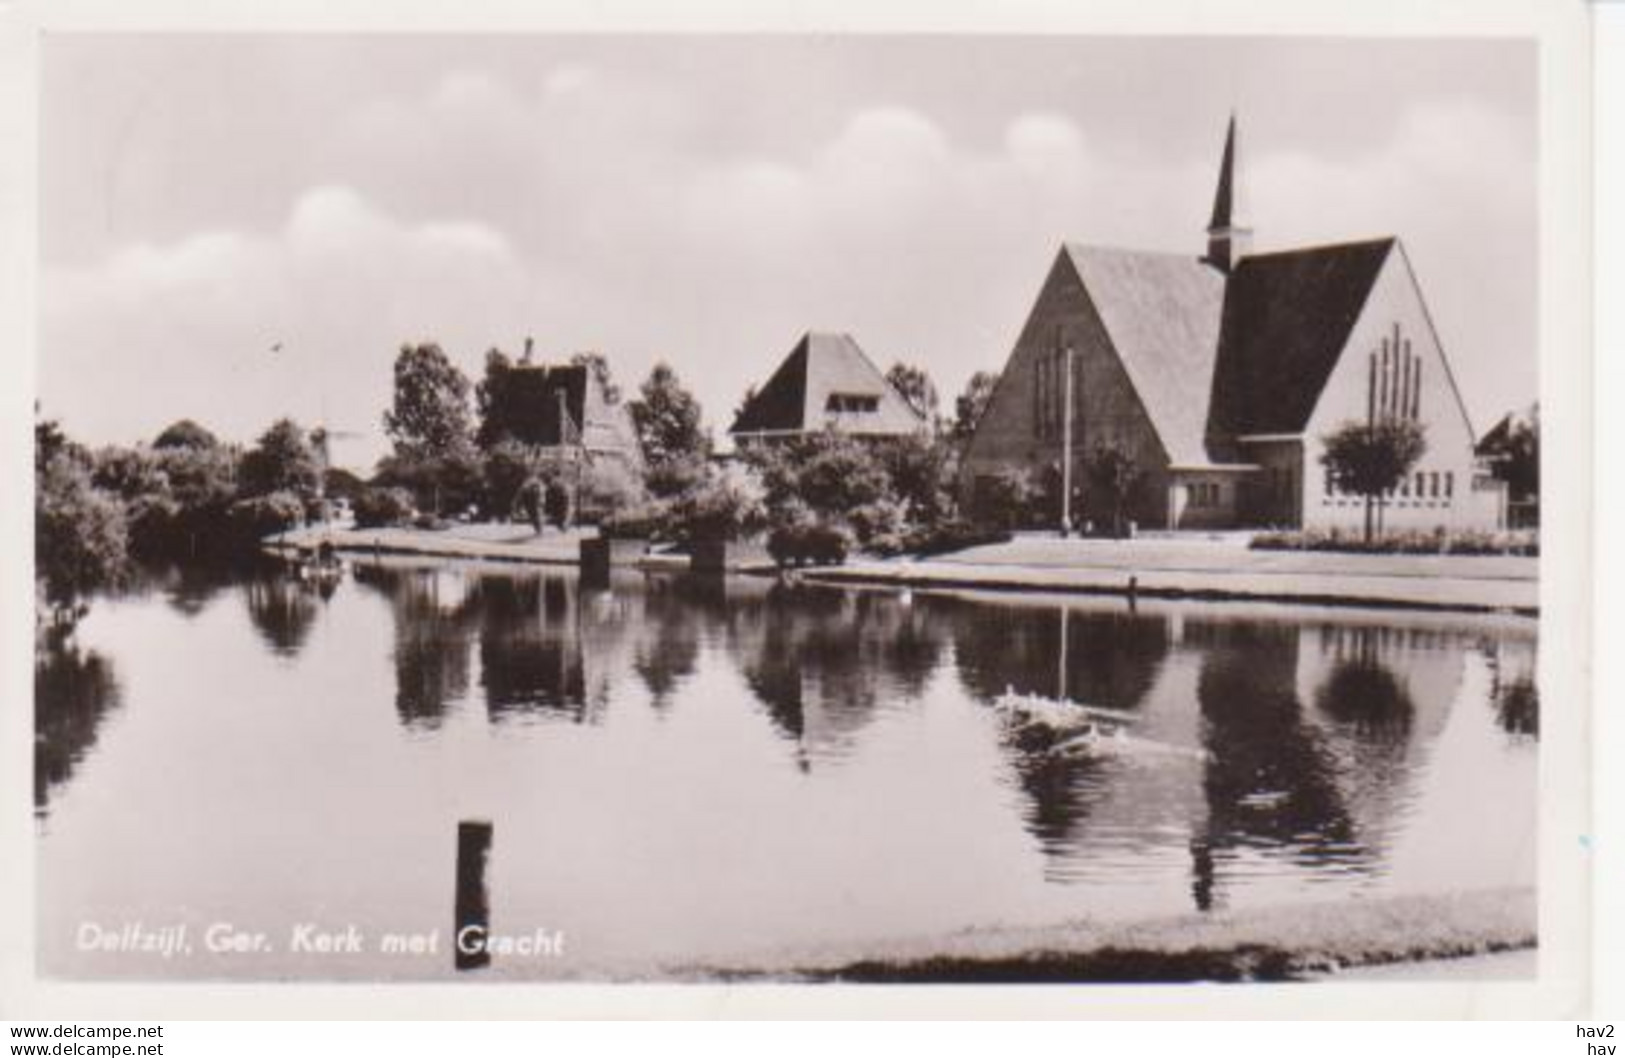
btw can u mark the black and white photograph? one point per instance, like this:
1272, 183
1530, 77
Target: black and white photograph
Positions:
796, 508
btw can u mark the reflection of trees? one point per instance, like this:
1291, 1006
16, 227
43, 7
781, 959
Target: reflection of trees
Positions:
73, 690
1517, 706
432, 639
677, 611
1513, 690
282, 609
1270, 780
822, 660
1373, 710
530, 647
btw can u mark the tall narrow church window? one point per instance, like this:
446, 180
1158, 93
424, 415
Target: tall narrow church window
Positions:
1449, 483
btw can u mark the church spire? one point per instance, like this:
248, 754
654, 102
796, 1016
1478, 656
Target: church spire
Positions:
1227, 233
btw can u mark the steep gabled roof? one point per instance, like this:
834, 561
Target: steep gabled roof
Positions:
1162, 313
797, 396
1287, 317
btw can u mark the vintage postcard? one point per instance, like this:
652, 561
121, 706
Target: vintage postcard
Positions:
738, 505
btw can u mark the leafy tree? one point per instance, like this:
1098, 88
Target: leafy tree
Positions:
185, 433
50, 441
916, 387
920, 470
129, 472
282, 461
1370, 459
970, 405
505, 468
1114, 479
599, 366
829, 473
382, 506
494, 400
1520, 465
1006, 497
438, 483
667, 418
429, 417
81, 539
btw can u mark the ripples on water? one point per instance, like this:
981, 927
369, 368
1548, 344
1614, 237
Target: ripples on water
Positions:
679, 769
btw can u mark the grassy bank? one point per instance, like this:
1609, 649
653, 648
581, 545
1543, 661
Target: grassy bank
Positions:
1275, 944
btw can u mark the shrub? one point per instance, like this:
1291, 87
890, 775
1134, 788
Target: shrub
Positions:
376, 507
717, 510
818, 543
1007, 498
261, 516
650, 520
950, 536
610, 485
878, 524
1437, 541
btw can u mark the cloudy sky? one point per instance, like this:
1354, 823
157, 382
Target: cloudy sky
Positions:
704, 200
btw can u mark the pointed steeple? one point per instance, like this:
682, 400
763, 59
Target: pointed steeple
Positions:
1228, 236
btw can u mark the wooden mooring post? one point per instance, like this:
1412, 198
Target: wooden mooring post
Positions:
473, 903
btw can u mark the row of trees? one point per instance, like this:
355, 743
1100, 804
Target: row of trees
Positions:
187, 495
458, 445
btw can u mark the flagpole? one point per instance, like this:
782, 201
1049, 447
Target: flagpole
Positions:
1066, 442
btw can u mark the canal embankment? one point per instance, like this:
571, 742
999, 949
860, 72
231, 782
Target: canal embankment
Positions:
1413, 937
1216, 569
1194, 568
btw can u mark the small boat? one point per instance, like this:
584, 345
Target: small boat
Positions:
1084, 730
1057, 713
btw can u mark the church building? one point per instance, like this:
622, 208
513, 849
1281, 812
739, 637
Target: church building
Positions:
1219, 376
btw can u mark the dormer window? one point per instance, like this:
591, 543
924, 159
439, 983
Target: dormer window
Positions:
849, 403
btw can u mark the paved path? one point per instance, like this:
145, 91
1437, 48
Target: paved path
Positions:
1220, 569
514, 543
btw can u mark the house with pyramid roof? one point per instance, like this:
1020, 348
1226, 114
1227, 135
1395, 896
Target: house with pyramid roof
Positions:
1219, 375
826, 382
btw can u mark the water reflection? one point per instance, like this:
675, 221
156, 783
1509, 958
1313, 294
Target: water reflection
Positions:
758, 721
434, 618
678, 613
531, 659
282, 609
74, 689
1271, 777
822, 662
1514, 692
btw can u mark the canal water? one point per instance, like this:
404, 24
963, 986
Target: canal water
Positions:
240, 774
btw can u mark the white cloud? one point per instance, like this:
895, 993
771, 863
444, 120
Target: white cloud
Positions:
597, 208
158, 332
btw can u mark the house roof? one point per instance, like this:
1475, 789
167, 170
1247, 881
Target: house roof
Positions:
797, 395
1162, 312
595, 423
1287, 317
1495, 441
